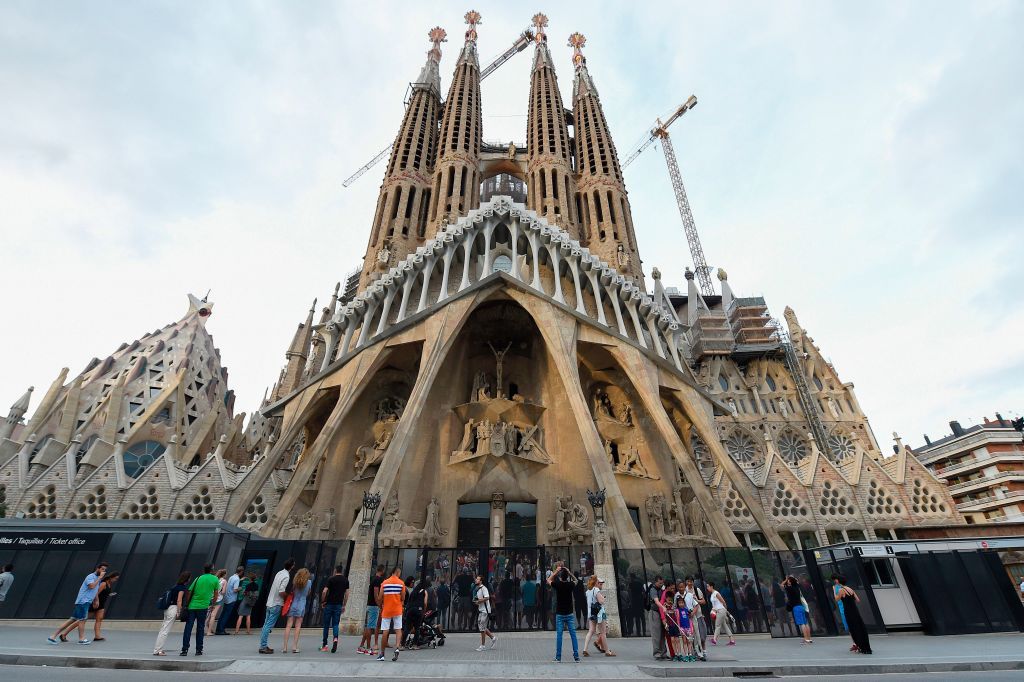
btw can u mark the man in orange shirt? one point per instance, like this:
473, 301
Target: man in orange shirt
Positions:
392, 593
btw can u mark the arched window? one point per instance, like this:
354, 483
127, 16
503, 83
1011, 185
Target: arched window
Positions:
724, 383
138, 457
771, 383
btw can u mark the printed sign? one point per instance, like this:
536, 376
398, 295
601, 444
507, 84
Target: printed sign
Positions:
875, 550
52, 541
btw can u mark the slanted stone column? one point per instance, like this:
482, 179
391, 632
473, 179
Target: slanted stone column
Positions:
497, 525
359, 572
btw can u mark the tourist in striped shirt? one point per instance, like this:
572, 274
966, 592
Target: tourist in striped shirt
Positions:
392, 592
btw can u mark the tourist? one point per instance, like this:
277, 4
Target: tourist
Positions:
665, 606
463, 585
370, 640
529, 596
301, 585
212, 617
562, 583
598, 617
849, 599
695, 602
579, 599
86, 593
275, 600
720, 612
685, 628
796, 605
98, 608
635, 618
173, 599
416, 605
392, 594
6, 580
333, 599
232, 596
779, 606
444, 600
250, 595
652, 597
482, 599
200, 595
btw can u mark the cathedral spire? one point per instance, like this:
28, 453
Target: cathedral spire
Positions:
456, 172
16, 415
399, 224
605, 216
551, 184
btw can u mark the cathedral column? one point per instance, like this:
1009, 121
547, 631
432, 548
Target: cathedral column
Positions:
497, 526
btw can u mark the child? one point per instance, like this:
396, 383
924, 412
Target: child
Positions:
685, 631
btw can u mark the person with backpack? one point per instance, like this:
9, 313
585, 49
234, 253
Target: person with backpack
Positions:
797, 605
695, 602
250, 596
333, 599
232, 601
171, 603
279, 591
652, 595
482, 599
415, 606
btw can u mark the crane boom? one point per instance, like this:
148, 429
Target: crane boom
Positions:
524, 39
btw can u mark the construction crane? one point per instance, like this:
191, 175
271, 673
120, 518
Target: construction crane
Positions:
660, 132
524, 39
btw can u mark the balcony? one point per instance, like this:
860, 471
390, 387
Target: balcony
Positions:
990, 502
986, 481
985, 460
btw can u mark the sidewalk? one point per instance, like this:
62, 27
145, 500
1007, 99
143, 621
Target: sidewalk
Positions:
517, 655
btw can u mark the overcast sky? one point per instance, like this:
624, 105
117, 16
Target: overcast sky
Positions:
861, 162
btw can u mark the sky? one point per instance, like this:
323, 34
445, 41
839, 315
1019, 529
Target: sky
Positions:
860, 162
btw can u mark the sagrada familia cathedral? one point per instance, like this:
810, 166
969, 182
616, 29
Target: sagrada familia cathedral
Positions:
500, 347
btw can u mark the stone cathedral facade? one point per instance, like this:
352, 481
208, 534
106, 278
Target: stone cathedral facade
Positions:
498, 347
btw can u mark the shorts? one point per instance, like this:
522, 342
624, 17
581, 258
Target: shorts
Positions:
81, 612
372, 616
482, 619
800, 615
387, 623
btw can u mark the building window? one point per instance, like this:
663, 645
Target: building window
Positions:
879, 573
724, 383
634, 513
771, 383
139, 456
503, 263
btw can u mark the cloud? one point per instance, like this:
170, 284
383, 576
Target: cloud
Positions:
860, 163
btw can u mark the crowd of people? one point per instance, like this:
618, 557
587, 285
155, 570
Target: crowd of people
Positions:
681, 618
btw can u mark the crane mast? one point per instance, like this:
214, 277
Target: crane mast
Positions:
700, 266
524, 39
660, 132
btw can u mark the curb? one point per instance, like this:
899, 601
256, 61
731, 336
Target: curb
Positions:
157, 663
821, 670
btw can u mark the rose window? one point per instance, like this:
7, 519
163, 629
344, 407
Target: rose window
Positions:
742, 448
792, 447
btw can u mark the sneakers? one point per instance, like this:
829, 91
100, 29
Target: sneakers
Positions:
494, 640
85, 642
361, 650
266, 650
324, 648
576, 658
714, 641
334, 646
380, 656
553, 660
184, 652
395, 657
51, 640
732, 643
483, 648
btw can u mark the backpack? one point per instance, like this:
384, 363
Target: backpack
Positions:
164, 601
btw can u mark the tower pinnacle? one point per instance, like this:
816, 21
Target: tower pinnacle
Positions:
473, 19
540, 22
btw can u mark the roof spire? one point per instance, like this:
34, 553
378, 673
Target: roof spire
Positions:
430, 76
576, 41
540, 21
473, 19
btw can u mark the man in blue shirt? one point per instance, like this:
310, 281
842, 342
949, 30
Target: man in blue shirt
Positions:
86, 595
230, 608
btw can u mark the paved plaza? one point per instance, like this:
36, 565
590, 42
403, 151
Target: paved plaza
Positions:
519, 656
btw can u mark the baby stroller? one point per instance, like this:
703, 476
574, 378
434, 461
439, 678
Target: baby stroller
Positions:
426, 634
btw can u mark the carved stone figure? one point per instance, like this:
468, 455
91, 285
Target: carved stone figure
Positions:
468, 443
833, 407
432, 526
603, 405
608, 451
732, 407
626, 413
675, 521
368, 456
698, 520
784, 407
655, 506
629, 462
481, 387
391, 509
563, 513
579, 519
621, 257
328, 524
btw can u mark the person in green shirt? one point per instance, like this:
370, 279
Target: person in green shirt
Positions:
201, 593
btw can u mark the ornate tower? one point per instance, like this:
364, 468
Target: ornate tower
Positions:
605, 216
550, 179
456, 173
400, 222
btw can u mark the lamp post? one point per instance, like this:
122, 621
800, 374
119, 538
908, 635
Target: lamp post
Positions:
596, 500
371, 501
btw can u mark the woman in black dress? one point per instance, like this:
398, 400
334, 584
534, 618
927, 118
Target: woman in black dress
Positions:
858, 631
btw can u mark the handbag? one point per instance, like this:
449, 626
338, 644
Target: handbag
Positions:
287, 604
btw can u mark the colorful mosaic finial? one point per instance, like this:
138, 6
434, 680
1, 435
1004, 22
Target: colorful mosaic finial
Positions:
473, 19
437, 36
576, 42
540, 21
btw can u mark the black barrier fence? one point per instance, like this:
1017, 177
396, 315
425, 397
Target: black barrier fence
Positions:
515, 576
749, 581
